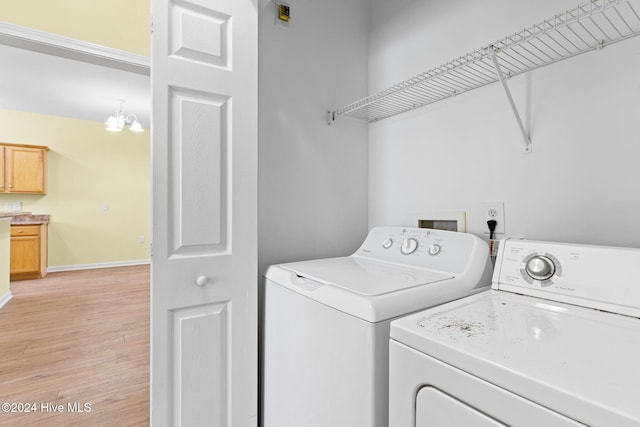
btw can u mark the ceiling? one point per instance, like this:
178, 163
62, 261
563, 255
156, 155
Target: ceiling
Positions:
47, 84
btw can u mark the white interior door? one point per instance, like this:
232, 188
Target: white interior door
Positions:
204, 262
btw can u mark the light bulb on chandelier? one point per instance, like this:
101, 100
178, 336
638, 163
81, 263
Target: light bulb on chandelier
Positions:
117, 121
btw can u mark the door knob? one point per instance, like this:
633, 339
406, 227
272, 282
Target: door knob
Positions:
201, 280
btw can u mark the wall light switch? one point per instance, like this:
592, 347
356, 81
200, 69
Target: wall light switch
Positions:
105, 207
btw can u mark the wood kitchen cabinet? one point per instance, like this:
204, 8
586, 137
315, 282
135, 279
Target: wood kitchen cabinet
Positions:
28, 251
23, 168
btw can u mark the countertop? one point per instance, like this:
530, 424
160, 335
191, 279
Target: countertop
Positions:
25, 218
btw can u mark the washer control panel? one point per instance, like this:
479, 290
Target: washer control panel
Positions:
588, 275
540, 266
422, 247
434, 249
387, 243
409, 245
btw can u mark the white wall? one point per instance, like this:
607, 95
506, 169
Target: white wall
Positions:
582, 181
312, 177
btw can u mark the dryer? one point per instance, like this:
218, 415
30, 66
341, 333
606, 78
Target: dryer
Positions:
326, 322
555, 342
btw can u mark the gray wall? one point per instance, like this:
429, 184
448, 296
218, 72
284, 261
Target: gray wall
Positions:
312, 177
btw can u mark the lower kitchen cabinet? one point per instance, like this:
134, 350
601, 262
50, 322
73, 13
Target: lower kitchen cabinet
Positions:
28, 251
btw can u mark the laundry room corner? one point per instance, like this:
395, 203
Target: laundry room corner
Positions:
312, 177
579, 180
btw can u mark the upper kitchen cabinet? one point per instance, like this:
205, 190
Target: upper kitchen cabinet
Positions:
23, 169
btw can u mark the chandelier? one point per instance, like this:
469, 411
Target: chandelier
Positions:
117, 120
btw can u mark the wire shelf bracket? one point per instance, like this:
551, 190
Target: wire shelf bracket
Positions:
503, 81
590, 26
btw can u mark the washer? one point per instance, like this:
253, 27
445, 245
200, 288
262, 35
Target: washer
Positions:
326, 337
555, 342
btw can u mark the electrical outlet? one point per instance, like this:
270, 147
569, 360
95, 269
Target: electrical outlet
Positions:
17, 206
495, 211
105, 207
141, 239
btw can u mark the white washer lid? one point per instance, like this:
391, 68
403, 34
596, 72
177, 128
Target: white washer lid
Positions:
577, 361
363, 276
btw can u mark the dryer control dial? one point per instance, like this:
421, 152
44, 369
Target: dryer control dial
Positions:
540, 267
434, 249
387, 243
409, 246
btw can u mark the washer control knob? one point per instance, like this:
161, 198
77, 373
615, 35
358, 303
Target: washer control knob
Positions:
409, 246
540, 267
387, 243
434, 249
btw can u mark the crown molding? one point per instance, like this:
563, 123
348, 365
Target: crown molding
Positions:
66, 47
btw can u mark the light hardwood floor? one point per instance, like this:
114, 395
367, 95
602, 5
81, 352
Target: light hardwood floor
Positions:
74, 338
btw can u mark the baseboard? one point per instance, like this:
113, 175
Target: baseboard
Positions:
98, 265
5, 298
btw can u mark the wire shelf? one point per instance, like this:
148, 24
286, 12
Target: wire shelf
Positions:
587, 27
